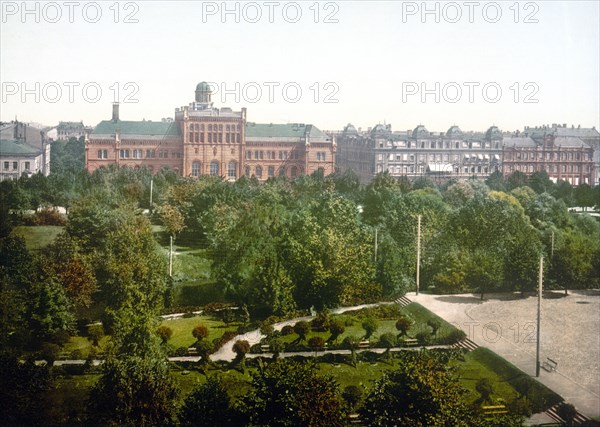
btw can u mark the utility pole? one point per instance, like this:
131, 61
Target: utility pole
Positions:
539, 319
552, 247
418, 250
151, 188
375, 245
171, 258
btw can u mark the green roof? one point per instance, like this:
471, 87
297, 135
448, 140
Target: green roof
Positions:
109, 127
290, 130
12, 148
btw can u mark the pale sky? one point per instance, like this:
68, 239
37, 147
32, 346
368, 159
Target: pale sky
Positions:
375, 61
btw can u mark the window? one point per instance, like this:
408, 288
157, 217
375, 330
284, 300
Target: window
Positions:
261, 155
214, 168
258, 172
294, 171
247, 171
232, 170
282, 171
196, 169
248, 155
124, 154
209, 138
15, 165
150, 154
6, 165
271, 171
255, 155
27, 166
99, 154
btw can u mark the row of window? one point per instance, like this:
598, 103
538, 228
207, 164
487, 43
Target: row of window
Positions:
398, 170
211, 137
321, 156
199, 127
15, 165
214, 169
138, 153
550, 168
438, 157
549, 156
271, 155
258, 171
440, 144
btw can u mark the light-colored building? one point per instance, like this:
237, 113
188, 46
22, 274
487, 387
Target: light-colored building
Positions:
24, 149
418, 153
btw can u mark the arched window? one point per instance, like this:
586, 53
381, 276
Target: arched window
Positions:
196, 169
232, 170
282, 171
214, 168
258, 172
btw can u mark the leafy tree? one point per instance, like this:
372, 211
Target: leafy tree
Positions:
172, 219
316, 343
435, 324
208, 405
95, 333
351, 343
484, 388
540, 182
336, 328
24, 392
165, 333
200, 332
458, 194
240, 348
302, 328
204, 349
496, 182
353, 395
388, 341
48, 310
370, 325
517, 179
403, 324
292, 394
421, 392
584, 196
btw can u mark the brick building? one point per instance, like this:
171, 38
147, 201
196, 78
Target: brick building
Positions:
205, 140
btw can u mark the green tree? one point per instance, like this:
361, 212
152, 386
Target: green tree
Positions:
200, 332
584, 196
336, 328
351, 343
421, 392
302, 328
293, 394
165, 333
484, 388
208, 405
370, 325
316, 343
403, 324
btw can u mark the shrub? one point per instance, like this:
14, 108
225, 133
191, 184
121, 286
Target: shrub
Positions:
302, 328
403, 324
455, 336
316, 343
287, 330
241, 347
200, 332
181, 351
484, 388
370, 325
95, 334
352, 394
388, 340
336, 328
321, 322
47, 216
423, 338
434, 324
165, 333
267, 329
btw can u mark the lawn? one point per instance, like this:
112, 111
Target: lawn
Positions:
38, 237
182, 329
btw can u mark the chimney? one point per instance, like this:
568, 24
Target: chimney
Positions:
115, 115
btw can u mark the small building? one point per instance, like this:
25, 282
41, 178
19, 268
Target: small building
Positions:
17, 158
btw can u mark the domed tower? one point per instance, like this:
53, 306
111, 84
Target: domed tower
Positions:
203, 93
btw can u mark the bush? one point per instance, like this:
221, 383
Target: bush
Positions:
403, 324
181, 351
287, 330
352, 395
336, 328
388, 340
435, 324
200, 332
455, 336
423, 338
370, 325
95, 334
47, 216
165, 333
302, 328
321, 322
316, 343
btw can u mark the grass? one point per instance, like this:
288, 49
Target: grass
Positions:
182, 329
38, 237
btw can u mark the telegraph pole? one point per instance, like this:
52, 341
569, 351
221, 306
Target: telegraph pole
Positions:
171, 257
375, 245
151, 188
418, 250
539, 319
552, 247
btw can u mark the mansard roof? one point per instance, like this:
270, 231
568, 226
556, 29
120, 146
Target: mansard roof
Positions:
144, 127
288, 130
14, 148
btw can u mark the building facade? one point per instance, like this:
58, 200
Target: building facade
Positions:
417, 153
68, 130
24, 149
205, 140
562, 157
